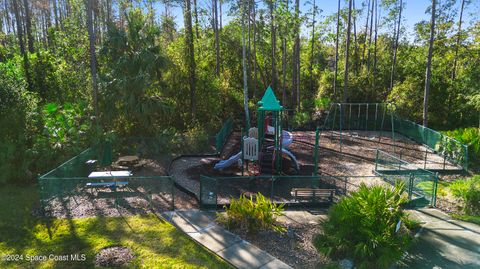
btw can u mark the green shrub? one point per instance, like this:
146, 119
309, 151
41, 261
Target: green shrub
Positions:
245, 213
469, 191
300, 119
471, 137
363, 227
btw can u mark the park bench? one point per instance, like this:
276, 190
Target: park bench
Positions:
111, 185
303, 194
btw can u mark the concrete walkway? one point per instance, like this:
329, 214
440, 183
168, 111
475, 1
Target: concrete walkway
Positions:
443, 242
200, 226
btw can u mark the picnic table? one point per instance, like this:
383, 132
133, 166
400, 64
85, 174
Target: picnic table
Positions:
111, 174
108, 174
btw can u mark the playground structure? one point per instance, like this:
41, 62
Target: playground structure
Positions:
353, 144
266, 144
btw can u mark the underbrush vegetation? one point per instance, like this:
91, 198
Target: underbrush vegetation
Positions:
252, 215
468, 190
369, 227
471, 138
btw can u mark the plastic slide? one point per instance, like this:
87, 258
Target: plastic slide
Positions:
286, 151
287, 139
229, 162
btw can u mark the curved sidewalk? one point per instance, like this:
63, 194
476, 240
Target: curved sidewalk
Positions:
201, 227
443, 242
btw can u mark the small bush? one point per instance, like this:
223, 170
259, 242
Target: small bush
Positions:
363, 227
471, 137
469, 191
245, 213
300, 119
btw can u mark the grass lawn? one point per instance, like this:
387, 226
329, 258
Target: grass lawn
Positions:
156, 243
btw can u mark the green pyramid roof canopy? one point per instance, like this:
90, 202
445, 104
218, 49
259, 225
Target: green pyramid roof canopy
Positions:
269, 101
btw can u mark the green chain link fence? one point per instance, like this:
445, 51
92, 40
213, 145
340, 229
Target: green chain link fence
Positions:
381, 117
421, 184
217, 191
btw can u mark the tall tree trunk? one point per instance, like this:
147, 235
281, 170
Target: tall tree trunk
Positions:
274, 46
254, 8
55, 13
93, 59
312, 49
395, 46
195, 10
296, 60
457, 45
26, 65
217, 39
370, 36
244, 66
355, 46
190, 53
428, 73
7, 16
249, 43
375, 43
366, 32
336, 53
109, 11
28, 26
284, 62
220, 15
347, 52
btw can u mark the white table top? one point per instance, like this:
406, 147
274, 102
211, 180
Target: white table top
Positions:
111, 174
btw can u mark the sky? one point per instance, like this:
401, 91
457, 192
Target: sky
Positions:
415, 11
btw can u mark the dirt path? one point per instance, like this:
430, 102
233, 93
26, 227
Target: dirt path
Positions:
179, 171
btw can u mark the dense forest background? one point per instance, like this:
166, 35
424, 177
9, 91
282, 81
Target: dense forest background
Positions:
73, 72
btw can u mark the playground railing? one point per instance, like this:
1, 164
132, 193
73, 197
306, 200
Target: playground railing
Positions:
381, 117
217, 191
450, 149
421, 184
222, 135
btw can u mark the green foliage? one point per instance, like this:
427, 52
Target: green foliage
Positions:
130, 98
469, 191
300, 119
17, 116
322, 103
363, 226
253, 215
470, 137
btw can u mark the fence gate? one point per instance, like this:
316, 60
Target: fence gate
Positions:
208, 192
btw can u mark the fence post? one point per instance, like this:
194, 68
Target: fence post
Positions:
383, 121
393, 134
201, 191
466, 157
410, 187
366, 118
435, 186
376, 161
173, 192
315, 154
341, 121
272, 188
241, 148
